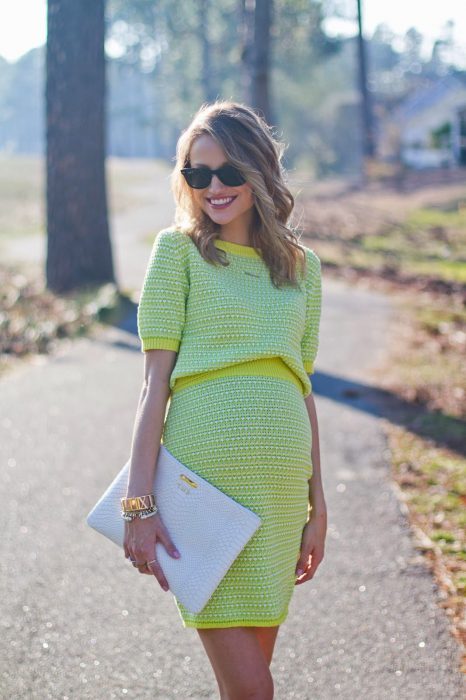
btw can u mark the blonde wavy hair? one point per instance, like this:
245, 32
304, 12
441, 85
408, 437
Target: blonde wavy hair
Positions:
249, 144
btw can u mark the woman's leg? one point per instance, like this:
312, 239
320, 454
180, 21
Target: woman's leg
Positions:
267, 637
239, 663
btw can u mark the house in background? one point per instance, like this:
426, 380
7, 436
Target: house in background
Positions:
428, 127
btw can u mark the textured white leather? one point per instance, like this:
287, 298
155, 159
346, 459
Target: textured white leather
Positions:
208, 528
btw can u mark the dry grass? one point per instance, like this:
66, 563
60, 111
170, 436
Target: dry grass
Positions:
33, 319
131, 183
411, 242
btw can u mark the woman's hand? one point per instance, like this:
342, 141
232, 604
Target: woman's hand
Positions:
312, 546
141, 536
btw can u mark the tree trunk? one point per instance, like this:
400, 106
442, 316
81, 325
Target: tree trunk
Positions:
366, 107
207, 67
260, 97
246, 37
79, 251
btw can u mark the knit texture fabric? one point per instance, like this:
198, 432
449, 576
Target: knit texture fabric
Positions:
217, 317
251, 437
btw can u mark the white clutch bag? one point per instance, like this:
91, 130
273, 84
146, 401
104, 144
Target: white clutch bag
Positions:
208, 528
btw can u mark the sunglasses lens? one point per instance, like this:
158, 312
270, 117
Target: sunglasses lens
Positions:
231, 176
198, 178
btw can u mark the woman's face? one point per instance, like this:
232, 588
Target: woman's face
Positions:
206, 151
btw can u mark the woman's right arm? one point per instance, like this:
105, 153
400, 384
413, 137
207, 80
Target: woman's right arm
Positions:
150, 416
141, 534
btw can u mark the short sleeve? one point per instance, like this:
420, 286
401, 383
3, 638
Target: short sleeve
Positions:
310, 339
162, 305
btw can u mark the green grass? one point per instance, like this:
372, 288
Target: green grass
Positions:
408, 264
434, 319
451, 215
431, 242
436, 494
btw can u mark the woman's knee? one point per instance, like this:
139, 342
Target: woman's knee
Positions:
258, 688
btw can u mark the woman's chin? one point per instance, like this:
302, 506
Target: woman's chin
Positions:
220, 217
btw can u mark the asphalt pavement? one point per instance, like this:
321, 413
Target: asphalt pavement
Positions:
78, 622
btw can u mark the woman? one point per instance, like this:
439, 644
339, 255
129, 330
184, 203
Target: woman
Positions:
229, 318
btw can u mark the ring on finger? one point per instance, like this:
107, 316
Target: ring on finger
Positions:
145, 563
133, 561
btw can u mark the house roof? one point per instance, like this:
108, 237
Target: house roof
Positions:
427, 95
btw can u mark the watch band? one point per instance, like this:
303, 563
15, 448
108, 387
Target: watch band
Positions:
135, 503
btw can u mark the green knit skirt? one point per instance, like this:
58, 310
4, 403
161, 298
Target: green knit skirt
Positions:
251, 437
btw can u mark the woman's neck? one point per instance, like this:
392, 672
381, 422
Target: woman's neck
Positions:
237, 231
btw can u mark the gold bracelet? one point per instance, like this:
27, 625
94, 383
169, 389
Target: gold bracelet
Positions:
130, 516
136, 503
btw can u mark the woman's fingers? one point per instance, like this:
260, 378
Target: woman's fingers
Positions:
148, 564
167, 542
316, 559
309, 569
305, 576
156, 569
139, 546
145, 570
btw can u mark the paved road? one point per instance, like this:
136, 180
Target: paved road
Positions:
78, 622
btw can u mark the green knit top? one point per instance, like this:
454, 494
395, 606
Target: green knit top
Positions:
219, 317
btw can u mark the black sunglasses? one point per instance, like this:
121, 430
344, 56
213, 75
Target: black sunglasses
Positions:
199, 178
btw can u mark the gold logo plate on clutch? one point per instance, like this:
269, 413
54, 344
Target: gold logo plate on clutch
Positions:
189, 481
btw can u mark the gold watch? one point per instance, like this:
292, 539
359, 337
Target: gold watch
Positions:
135, 503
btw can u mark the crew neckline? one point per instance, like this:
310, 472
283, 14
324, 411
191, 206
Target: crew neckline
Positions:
237, 248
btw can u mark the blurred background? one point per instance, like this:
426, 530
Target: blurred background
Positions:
165, 58
370, 98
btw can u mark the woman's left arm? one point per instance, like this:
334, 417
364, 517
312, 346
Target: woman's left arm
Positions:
315, 530
316, 491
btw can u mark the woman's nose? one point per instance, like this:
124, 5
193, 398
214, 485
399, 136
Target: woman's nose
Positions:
216, 184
